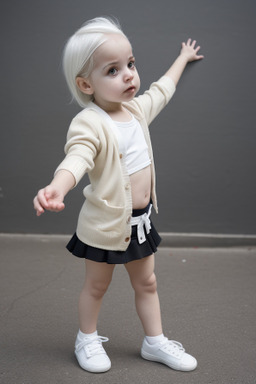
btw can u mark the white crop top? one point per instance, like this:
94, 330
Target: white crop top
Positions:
132, 144
131, 141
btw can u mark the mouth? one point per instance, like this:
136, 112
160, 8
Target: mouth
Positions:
130, 89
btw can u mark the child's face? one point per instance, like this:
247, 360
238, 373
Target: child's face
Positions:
114, 78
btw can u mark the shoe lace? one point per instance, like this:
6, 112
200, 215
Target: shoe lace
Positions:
92, 345
173, 348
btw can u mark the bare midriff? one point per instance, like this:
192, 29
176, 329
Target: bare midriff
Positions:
141, 187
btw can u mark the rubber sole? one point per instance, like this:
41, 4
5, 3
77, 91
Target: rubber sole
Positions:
149, 357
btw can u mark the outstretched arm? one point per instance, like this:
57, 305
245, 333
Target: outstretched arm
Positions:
51, 197
188, 53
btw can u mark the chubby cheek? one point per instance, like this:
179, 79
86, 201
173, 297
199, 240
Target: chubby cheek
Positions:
137, 80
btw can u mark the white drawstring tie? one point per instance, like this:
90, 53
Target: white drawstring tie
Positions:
141, 222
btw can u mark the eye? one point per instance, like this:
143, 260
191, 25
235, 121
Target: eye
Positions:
112, 71
131, 64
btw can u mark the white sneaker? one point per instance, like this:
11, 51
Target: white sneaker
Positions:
90, 354
169, 352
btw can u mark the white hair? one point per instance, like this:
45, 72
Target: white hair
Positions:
79, 49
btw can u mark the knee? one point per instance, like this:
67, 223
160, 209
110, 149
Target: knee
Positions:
147, 285
97, 289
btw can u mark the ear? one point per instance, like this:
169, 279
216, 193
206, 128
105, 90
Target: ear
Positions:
84, 85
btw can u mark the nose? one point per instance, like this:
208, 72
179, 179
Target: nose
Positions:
128, 75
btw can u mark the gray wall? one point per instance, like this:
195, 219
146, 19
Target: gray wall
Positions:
204, 141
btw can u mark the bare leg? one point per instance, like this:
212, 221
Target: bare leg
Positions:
97, 279
143, 280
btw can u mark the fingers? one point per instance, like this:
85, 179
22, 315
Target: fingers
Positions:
47, 200
55, 207
40, 202
42, 197
37, 206
50, 206
190, 43
191, 50
198, 57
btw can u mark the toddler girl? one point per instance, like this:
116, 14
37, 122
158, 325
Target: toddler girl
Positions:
109, 139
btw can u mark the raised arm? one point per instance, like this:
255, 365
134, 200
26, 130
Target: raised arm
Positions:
51, 197
188, 53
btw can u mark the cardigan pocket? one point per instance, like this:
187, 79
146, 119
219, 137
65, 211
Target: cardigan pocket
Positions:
111, 218
103, 216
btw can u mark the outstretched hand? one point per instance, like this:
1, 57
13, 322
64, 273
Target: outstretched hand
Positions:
190, 51
48, 198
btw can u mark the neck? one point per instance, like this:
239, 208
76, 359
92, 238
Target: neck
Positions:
116, 111
109, 107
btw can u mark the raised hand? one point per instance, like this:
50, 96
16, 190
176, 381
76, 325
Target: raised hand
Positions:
190, 50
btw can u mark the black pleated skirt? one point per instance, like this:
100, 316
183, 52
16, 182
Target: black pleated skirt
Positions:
135, 251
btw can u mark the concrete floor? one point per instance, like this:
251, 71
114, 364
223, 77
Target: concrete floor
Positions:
208, 300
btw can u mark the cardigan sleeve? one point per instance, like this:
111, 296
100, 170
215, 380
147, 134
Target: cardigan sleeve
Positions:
81, 147
155, 98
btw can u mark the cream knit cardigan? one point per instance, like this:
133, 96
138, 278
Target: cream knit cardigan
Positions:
104, 219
